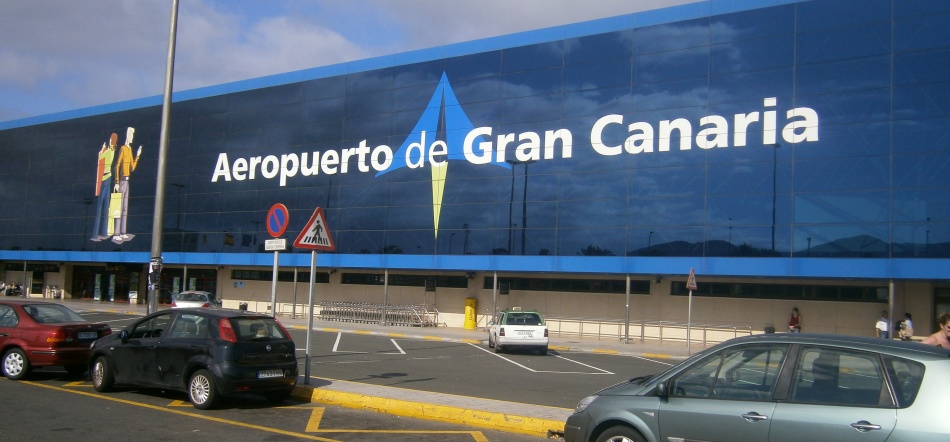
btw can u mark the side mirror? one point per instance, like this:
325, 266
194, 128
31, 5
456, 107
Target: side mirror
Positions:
491, 322
661, 390
124, 336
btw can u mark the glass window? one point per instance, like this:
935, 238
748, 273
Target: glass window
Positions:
190, 326
906, 377
257, 328
739, 373
838, 13
533, 56
606, 73
151, 328
8, 317
752, 55
838, 377
599, 46
927, 31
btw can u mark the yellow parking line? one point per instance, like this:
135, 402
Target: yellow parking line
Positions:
313, 425
182, 413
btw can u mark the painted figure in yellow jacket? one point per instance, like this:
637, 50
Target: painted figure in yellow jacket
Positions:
104, 189
124, 164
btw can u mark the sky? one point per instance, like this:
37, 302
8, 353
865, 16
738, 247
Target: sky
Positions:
60, 55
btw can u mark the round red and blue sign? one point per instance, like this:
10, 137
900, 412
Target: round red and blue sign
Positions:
277, 220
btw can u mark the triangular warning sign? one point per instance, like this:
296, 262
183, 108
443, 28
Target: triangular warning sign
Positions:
691, 280
316, 235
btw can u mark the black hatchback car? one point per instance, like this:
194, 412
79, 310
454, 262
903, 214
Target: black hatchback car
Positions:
206, 353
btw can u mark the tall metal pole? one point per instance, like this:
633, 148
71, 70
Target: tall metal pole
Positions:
310, 303
157, 226
626, 321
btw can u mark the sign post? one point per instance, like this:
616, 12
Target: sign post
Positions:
314, 236
691, 285
277, 219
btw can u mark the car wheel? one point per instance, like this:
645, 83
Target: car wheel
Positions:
15, 364
201, 390
102, 377
543, 351
620, 433
75, 370
497, 348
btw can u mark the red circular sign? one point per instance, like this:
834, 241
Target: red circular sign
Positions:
277, 220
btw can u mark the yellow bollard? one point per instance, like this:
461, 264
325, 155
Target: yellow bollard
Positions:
470, 304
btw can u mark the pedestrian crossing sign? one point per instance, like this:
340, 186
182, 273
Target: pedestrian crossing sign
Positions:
316, 235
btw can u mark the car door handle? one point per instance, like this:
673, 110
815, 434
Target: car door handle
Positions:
865, 426
754, 417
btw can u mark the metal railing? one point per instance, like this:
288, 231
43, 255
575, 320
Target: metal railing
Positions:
367, 313
609, 328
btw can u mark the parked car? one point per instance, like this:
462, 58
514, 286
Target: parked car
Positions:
194, 299
40, 334
518, 328
206, 353
780, 387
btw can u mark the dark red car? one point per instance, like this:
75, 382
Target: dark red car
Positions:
40, 334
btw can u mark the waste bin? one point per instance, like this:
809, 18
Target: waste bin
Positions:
470, 304
242, 306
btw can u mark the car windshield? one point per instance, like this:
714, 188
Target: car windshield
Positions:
52, 313
257, 328
524, 319
197, 297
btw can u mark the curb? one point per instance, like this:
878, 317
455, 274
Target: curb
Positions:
442, 413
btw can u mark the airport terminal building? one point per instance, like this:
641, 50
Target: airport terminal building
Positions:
792, 153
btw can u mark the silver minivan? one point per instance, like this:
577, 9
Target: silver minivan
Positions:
780, 388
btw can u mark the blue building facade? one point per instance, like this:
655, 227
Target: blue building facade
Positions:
748, 140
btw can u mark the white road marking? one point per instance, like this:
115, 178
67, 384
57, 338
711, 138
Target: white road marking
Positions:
599, 371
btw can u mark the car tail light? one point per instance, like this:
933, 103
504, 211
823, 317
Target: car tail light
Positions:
206, 305
501, 331
56, 336
545, 333
227, 333
105, 331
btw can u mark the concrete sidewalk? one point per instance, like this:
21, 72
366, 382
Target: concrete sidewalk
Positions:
530, 419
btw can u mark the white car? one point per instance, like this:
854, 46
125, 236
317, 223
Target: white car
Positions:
518, 328
192, 299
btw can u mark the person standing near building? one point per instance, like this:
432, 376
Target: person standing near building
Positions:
795, 321
100, 230
907, 327
883, 326
125, 164
942, 337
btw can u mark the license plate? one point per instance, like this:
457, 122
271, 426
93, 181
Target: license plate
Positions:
525, 333
88, 335
264, 374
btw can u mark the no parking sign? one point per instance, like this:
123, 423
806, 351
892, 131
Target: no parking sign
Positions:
277, 219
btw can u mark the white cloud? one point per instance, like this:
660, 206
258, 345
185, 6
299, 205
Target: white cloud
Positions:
61, 55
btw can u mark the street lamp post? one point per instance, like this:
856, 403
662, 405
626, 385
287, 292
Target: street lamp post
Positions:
155, 262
